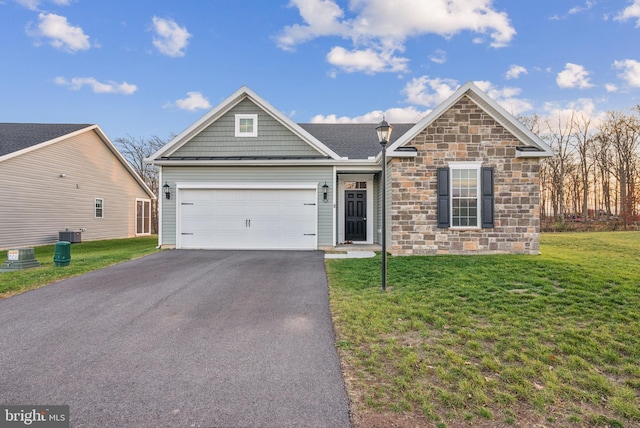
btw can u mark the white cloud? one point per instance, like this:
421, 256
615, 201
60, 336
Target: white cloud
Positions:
610, 87
170, 38
515, 71
506, 97
393, 115
630, 71
577, 9
429, 92
194, 101
35, 4
381, 27
631, 12
97, 87
573, 76
557, 114
367, 60
62, 35
439, 56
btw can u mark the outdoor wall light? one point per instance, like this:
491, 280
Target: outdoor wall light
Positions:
167, 193
325, 192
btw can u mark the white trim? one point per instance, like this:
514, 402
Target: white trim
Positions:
148, 218
335, 207
477, 166
402, 154
160, 207
254, 127
369, 178
249, 185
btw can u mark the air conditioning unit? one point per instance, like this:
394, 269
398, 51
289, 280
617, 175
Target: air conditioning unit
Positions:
70, 236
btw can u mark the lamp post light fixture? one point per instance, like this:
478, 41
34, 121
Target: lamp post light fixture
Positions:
384, 134
167, 193
325, 192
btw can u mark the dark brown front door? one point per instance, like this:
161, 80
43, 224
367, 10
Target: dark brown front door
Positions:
356, 215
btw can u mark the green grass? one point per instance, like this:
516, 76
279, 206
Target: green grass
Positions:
85, 257
504, 339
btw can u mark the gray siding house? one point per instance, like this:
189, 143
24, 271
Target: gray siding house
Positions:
66, 177
463, 180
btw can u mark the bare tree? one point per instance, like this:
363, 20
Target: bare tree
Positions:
559, 137
583, 142
135, 150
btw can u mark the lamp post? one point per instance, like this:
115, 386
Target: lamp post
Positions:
384, 134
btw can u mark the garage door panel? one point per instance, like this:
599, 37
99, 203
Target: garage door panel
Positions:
248, 219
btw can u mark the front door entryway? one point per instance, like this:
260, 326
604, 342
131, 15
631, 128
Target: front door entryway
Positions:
355, 215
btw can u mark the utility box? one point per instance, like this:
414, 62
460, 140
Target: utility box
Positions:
18, 259
70, 236
62, 253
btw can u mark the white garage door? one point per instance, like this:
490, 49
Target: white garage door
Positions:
247, 219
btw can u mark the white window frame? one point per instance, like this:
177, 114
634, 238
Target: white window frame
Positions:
146, 217
95, 207
254, 132
477, 166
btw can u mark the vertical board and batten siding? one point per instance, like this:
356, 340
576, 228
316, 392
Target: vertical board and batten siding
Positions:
219, 175
219, 140
36, 203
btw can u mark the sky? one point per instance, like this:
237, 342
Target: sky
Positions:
148, 68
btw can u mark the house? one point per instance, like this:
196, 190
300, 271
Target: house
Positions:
67, 177
463, 180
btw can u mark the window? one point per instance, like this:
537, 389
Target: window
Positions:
465, 196
246, 125
99, 208
143, 217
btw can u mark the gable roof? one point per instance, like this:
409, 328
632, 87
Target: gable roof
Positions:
353, 140
226, 105
534, 145
19, 136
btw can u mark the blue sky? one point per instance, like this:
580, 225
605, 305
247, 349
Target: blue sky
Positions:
146, 68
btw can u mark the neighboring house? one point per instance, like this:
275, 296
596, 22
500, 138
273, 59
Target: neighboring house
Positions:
66, 177
464, 180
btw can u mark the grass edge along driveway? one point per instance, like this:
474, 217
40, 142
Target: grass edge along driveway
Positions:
490, 341
85, 257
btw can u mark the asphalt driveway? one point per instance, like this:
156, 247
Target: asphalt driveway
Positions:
180, 339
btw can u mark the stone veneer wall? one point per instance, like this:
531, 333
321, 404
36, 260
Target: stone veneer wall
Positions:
465, 133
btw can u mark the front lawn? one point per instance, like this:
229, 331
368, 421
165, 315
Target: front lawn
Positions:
85, 257
489, 341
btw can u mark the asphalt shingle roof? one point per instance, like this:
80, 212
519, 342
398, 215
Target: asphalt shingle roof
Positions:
18, 136
353, 140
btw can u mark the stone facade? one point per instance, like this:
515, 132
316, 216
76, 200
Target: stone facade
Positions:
464, 133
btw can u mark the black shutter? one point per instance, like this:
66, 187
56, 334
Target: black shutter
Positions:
443, 197
487, 197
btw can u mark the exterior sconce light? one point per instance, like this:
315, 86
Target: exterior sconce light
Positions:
384, 135
167, 193
325, 192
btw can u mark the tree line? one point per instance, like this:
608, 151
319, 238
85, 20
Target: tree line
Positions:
595, 171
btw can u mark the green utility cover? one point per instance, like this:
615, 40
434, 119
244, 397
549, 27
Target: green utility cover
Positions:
18, 259
62, 253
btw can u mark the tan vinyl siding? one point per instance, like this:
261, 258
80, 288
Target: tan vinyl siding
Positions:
219, 140
36, 203
265, 174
